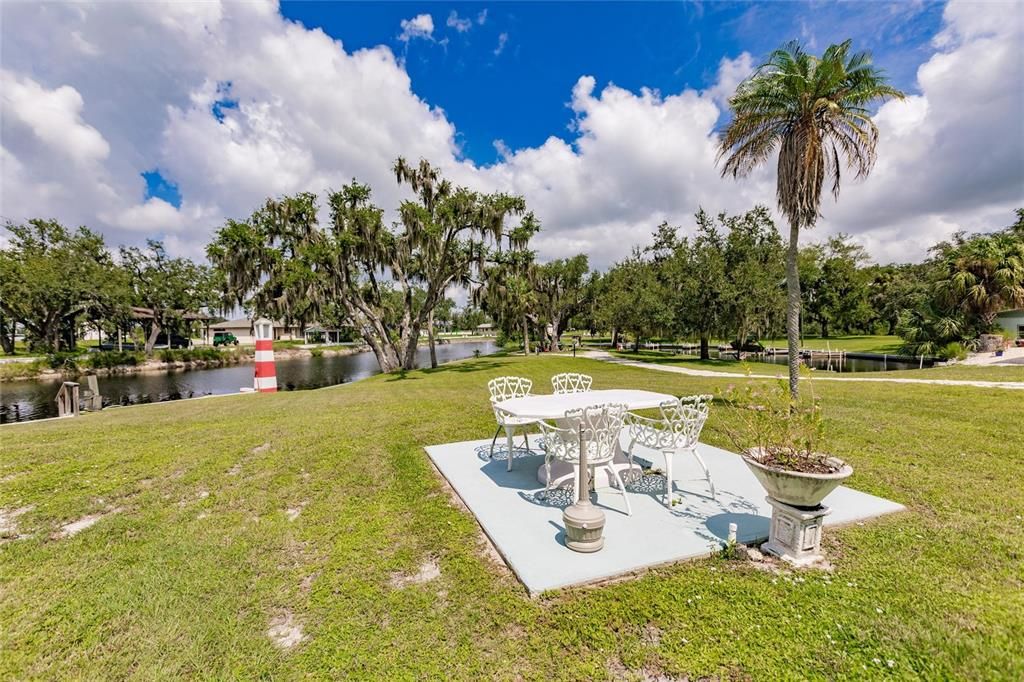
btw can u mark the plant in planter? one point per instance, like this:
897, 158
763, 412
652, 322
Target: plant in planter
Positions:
782, 442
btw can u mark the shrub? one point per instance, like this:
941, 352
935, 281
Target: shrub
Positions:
317, 352
22, 370
210, 354
952, 351
112, 358
63, 361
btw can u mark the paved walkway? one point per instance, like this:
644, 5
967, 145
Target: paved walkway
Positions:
607, 357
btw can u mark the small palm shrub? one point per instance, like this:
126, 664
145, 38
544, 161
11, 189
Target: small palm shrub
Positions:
775, 429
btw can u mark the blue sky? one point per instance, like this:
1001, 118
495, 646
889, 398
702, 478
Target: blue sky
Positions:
520, 95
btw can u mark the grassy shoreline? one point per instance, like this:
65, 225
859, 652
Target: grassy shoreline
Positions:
224, 517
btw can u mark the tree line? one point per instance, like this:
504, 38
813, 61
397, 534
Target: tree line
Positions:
54, 281
721, 279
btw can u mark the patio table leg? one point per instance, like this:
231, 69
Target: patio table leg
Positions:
509, 430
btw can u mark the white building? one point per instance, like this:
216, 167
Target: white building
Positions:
243, 331
1013, 322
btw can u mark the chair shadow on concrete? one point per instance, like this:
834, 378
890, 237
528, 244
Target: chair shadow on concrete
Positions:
525, 463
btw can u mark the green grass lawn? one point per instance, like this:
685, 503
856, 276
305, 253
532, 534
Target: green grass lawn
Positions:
202, 556
851, 344
966, 372
694, 362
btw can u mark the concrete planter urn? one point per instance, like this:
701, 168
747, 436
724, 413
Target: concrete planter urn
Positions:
797, 488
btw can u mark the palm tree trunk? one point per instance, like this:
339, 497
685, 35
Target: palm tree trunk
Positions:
704, 352
526, 336
793, 310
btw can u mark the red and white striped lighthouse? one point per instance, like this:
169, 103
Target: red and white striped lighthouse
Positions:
265, 380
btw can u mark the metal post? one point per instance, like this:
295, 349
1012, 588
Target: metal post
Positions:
583, 491
584, 523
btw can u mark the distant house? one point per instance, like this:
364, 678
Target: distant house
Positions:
1013, 322
485, 329
243, 331
320, 334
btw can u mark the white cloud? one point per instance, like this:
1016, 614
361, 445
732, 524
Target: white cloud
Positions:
420, 26
78, 128
502, 41
731, 72
83, 45
460, 24
53, 118
155, 215
952, 157
481, 18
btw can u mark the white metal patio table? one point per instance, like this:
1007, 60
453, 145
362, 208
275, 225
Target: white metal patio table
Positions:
554, 407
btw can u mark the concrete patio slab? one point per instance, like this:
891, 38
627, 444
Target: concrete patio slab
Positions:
528, 530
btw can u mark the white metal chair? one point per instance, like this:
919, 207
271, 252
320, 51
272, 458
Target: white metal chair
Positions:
571, 382
675, 432
505, 388
601, 425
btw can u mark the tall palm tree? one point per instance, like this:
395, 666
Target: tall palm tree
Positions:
812, 109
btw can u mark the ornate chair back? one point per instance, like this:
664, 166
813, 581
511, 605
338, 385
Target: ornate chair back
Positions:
571, 382
505, 388
679, 427
601, 425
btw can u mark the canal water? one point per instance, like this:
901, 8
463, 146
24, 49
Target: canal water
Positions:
848, 364
34, 399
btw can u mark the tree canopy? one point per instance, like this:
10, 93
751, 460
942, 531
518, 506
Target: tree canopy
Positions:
292, 267
50, 275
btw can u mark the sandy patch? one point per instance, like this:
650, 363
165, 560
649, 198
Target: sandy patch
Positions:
651, 635
9, 522
76, 527
202, 494
235, 470
307, 583
293, 512
284, 631
428, 570
260, 448
618, 671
